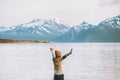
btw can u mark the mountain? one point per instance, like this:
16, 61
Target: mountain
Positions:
109, 30
111, 23
106, 31
55, 30
76, 33
38, 29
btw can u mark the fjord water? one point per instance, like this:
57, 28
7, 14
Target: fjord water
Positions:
89, 61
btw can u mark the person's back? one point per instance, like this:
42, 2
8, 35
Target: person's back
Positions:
57, 61
57, 65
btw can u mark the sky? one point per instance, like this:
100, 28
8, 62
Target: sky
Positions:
71, 12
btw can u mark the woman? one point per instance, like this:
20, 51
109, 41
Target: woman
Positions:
57, 61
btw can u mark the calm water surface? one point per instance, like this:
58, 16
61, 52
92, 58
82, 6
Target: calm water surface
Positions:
89, 61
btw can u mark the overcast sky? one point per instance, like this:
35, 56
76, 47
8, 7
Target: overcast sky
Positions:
72, 12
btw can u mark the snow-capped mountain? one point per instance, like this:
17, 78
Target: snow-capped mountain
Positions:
55, 30
109, 29
75, 31
36, 29
106, 31
111, 23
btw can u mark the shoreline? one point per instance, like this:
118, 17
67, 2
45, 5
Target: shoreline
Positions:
22, 41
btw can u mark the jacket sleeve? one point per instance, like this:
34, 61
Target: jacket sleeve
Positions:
66, 55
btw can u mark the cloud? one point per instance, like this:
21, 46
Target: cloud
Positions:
109, 2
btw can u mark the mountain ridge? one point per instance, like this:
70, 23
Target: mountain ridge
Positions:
51, 30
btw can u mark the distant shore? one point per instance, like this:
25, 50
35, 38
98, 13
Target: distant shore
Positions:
22, 41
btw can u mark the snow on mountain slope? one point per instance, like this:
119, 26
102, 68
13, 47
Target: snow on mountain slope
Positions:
40, 28
56, 30
82, 26
111, 23
74, 32
106, 31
